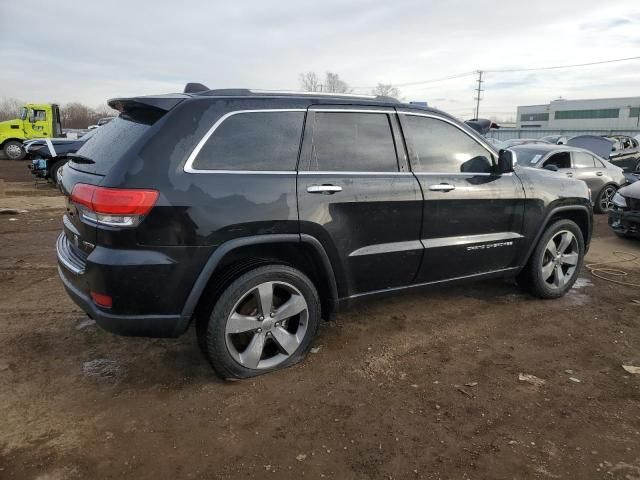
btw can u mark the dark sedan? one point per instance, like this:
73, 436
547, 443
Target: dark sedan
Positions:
48, 155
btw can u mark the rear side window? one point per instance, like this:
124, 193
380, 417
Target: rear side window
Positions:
108, 145
352, 141
440, 147
261, 141
583, 160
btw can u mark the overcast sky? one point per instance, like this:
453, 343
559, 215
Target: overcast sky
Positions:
61, 51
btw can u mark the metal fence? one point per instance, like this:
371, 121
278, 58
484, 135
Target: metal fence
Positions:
510, 133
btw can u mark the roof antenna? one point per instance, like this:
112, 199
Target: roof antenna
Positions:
195, 88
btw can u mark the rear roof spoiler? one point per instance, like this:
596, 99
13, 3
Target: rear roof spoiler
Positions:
159, 102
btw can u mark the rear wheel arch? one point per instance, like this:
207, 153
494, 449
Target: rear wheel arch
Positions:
236, 257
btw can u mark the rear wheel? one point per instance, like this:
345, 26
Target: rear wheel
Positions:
263, 321
604, 202
556, 261
13, 150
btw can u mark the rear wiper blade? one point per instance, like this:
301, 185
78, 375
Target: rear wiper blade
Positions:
75, 158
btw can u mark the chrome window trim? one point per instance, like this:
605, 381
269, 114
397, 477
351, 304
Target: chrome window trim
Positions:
188, 166
486, 145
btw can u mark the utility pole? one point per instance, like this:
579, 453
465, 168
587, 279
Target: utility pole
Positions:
479, 91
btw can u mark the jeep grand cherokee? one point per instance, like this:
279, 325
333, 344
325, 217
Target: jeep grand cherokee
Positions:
257, 214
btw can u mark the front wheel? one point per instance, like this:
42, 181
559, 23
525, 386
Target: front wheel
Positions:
556, 261
14, 150
604, 202
263, 321
55, 173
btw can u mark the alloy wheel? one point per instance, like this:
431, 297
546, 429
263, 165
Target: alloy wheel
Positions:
267, 325
560, 259
606, 200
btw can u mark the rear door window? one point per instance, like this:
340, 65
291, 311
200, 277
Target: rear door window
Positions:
253, 141
352, 142
583, 160
108, 145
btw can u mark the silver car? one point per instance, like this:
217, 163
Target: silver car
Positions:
601, 176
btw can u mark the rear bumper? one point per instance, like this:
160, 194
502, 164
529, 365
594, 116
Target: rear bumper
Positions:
626, 222
162, 326
81, 275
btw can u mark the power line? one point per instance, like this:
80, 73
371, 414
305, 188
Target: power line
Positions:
562, 66
504, 70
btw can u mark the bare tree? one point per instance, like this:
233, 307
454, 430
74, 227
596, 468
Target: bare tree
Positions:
334, 84
386, 90
309, 82
9, 108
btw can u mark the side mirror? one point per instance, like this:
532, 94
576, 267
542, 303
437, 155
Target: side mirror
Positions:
506, 161
551, 167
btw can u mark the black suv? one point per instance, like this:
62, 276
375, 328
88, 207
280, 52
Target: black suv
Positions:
257, 214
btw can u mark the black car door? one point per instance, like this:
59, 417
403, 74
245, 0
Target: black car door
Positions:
473, 217
356, 195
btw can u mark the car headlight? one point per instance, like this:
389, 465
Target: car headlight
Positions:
619, 201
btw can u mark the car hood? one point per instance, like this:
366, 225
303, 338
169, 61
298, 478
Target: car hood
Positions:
599, 145
631, 191
632, 177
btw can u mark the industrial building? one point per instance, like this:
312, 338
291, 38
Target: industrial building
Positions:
596, 114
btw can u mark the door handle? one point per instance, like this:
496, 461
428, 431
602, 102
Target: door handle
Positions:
326, 189
441, 187
569, 174
599, 174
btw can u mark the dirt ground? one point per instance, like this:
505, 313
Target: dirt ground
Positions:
418, 386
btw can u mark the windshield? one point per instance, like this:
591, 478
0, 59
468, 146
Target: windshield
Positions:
23, 113
528, 156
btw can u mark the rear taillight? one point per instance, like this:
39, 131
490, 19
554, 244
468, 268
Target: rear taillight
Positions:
116, 207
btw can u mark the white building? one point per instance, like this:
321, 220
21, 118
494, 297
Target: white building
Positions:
601, 113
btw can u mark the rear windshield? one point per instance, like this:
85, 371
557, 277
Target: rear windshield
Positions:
109, 143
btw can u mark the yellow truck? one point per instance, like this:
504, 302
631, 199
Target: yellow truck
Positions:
36, 121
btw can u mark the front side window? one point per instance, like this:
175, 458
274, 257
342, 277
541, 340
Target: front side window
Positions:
560, 160
255, 141
583, 160
39, 115
440, 147
352, 142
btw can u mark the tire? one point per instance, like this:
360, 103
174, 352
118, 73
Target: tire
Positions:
14, 150
53, 171
603, 202
540, 277
256, 343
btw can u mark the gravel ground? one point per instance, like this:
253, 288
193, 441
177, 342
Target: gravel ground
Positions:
424, 385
